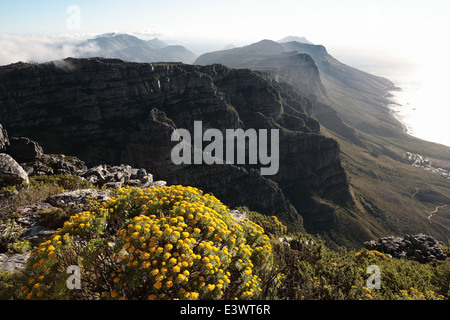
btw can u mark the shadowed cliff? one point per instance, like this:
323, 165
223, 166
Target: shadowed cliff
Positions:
110, 111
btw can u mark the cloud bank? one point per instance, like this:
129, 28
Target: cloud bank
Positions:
42, 48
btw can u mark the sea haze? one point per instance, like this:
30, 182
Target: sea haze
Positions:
422, 103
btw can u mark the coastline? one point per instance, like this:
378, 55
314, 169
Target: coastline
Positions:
396, 117
390, 102
404, 95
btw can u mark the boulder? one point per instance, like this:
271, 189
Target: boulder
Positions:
11, 173
24, 150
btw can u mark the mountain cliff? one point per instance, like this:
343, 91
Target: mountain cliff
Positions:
291, 62
111, 111
131, 48
351, 107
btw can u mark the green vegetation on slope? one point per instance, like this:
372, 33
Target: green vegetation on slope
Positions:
176, 242
393, 197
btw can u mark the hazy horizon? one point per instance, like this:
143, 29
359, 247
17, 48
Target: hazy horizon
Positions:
380, 37
382, 29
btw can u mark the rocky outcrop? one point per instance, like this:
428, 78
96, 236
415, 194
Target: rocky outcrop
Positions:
110, 111
77, 199
37, 163
117, 176
11, 173
50, 164
303, 66
420, 247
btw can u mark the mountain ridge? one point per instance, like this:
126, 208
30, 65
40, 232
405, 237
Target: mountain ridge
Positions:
374, 146
111, 111
389, 195
130, 48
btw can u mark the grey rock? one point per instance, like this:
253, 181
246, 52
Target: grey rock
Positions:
285, 241
116, 185
238, 215
134, 182
36, 234
13, 263
11, 173
157, 184
75, 200
30, 214
419, 247
49, 164
117, 176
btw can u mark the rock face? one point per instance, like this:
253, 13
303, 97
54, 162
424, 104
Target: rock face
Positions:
13, 263
4, 141
420, 247
299, 70
11, 173
110, 111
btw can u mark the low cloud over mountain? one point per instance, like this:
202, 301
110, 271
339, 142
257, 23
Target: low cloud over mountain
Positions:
37, 48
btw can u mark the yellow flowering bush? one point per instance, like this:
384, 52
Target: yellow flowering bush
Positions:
370, 254
19, 246
171, 242
414, 294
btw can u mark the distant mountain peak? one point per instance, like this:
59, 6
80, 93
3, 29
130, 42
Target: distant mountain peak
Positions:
295, 38
131, 48
157, 42
110, 35
229, 46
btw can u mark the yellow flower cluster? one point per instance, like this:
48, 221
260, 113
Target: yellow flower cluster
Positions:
20, 246
186, 242
370, 254
165, 243
82, 223
414, 294
42, 265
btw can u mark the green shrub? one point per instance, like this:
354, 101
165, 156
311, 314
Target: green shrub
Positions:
271, 224
37, 190
11, 285
307, 269
53, 218
10, 232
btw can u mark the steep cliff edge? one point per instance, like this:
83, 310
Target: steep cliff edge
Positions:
110, 111
294, 63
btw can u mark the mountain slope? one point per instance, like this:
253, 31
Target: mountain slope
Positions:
110, 111
373, 144
297, 69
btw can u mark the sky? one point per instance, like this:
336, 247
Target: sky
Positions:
365, 34
394, 29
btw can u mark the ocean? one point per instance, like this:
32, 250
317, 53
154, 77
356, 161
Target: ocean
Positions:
422, 104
